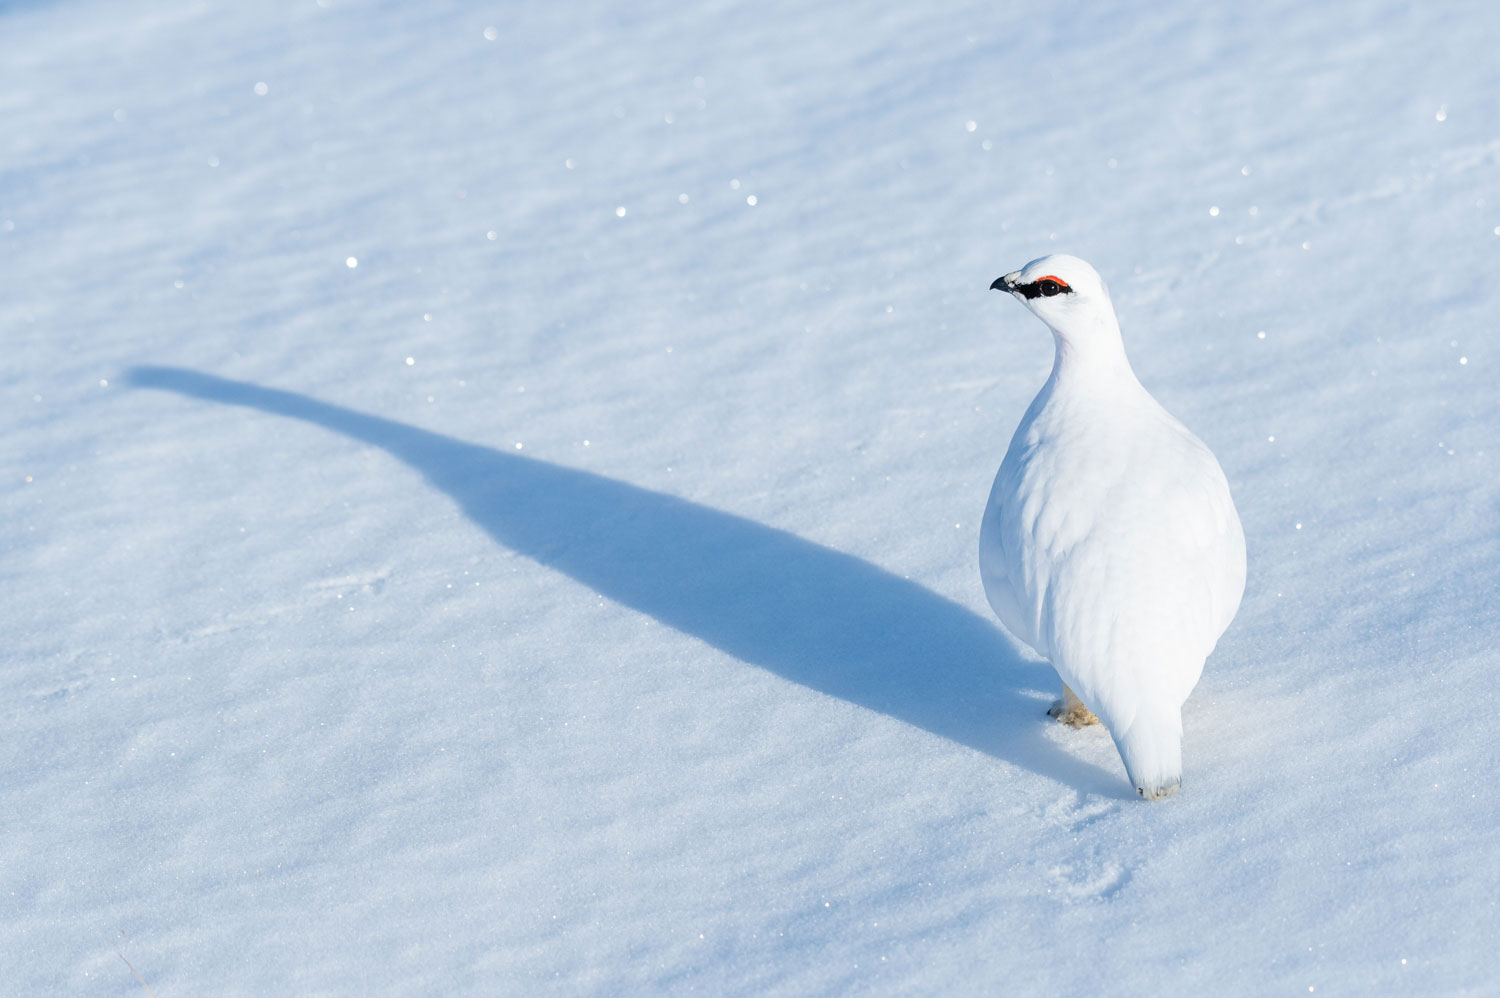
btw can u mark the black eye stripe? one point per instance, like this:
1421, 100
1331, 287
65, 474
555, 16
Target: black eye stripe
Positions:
1045, 288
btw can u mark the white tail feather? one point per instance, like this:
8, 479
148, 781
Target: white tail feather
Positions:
1152, 750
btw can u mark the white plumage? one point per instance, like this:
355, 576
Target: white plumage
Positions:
1110, 544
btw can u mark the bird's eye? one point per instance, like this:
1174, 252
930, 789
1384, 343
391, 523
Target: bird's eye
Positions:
1049, 287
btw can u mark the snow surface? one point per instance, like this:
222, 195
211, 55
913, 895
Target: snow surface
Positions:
455, 542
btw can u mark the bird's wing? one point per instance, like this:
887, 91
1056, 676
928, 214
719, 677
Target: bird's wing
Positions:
1206, 535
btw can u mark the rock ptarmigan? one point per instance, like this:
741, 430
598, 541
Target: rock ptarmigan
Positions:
1110, 544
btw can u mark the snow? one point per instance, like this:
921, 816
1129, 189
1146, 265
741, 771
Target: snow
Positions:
595, 609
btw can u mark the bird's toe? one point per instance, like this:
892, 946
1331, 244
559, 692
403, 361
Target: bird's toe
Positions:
1074, 715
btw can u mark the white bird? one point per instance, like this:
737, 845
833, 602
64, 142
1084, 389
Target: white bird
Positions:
1110, 544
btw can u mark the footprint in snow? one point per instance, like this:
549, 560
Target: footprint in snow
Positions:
1089, 880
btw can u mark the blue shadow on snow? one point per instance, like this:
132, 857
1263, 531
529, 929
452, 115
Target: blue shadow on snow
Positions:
815, 616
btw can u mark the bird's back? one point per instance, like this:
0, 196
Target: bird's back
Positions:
1111, 545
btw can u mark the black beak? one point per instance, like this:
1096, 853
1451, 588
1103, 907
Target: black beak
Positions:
1000, 285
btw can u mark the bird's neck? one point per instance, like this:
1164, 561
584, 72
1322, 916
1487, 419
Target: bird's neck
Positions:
1090, 350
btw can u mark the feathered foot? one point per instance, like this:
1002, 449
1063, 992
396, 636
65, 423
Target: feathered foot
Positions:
1071, 711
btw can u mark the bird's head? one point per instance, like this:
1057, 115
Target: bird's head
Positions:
1064, 292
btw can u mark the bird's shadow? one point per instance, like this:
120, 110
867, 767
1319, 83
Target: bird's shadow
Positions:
821, 618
